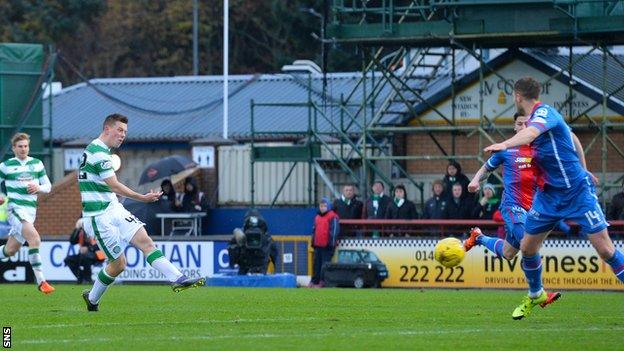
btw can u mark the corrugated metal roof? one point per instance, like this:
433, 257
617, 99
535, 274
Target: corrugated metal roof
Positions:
187, 108
588, 70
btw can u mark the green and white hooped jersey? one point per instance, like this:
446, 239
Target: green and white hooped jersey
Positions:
96, 165
17, 174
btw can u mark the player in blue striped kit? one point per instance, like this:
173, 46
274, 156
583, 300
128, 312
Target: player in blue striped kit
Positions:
566, 191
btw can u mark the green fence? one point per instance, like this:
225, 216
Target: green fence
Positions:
20, 71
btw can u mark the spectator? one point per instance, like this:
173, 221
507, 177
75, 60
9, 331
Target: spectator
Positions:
458, 207
168, 191
616, 210
89, 254
325, 234
377, 204
454, 175
169, 195
348, 206
488, 204
401, 207
435, 207
192, 200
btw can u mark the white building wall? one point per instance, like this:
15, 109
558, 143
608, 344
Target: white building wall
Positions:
235, 179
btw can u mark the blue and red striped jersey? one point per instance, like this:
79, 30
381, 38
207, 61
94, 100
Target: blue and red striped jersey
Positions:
518, 175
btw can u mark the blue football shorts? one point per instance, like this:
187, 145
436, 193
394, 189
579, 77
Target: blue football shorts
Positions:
578, 204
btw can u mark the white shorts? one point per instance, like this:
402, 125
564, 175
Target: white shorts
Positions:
16, 216
112, 229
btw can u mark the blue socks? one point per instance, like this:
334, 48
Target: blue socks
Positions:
532, 267
493, 244
617, 264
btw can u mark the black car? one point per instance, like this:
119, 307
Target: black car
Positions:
355, 268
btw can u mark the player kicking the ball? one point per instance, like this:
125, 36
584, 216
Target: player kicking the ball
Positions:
24, 177
565, 192
111, 224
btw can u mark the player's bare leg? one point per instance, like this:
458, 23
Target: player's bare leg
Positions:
606, 250
9, 249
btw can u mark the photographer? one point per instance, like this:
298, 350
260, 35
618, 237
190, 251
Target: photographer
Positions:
252, 247
89, 254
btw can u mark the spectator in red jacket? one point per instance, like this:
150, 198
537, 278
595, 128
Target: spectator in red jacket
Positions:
325, 233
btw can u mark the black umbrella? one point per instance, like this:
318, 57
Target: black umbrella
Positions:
166, 167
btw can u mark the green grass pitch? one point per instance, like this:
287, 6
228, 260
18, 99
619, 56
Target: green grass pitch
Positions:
152, 317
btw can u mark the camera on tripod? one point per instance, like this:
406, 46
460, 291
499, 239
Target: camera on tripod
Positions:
252, 247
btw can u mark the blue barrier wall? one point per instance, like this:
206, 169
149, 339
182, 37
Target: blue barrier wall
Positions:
281, 221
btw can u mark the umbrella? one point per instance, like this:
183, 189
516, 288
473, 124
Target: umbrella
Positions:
165, 167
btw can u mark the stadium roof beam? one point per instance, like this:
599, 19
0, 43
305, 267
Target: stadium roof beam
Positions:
479, 22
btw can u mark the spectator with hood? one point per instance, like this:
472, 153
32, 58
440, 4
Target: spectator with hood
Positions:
487, 205
192, 200
454, 175
169, 195
324, 237
168, 191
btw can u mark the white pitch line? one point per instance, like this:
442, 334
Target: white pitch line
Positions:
315, 335
209, 321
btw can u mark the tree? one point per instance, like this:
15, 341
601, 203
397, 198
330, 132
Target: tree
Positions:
118, 38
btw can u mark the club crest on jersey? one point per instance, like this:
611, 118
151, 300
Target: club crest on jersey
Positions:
541, 112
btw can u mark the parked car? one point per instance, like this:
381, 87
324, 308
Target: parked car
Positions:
355, 268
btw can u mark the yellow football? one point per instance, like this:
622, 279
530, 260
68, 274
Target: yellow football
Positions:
449, 252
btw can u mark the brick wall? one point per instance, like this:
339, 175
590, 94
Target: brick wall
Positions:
421, 144
208, 184
58, 211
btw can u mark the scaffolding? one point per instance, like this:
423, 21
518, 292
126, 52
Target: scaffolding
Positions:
408, 47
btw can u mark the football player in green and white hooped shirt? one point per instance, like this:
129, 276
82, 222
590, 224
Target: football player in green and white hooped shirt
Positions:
111, 224
24, 177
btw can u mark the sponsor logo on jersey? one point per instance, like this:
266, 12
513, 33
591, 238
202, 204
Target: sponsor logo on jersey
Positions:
524, 159
25, 177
